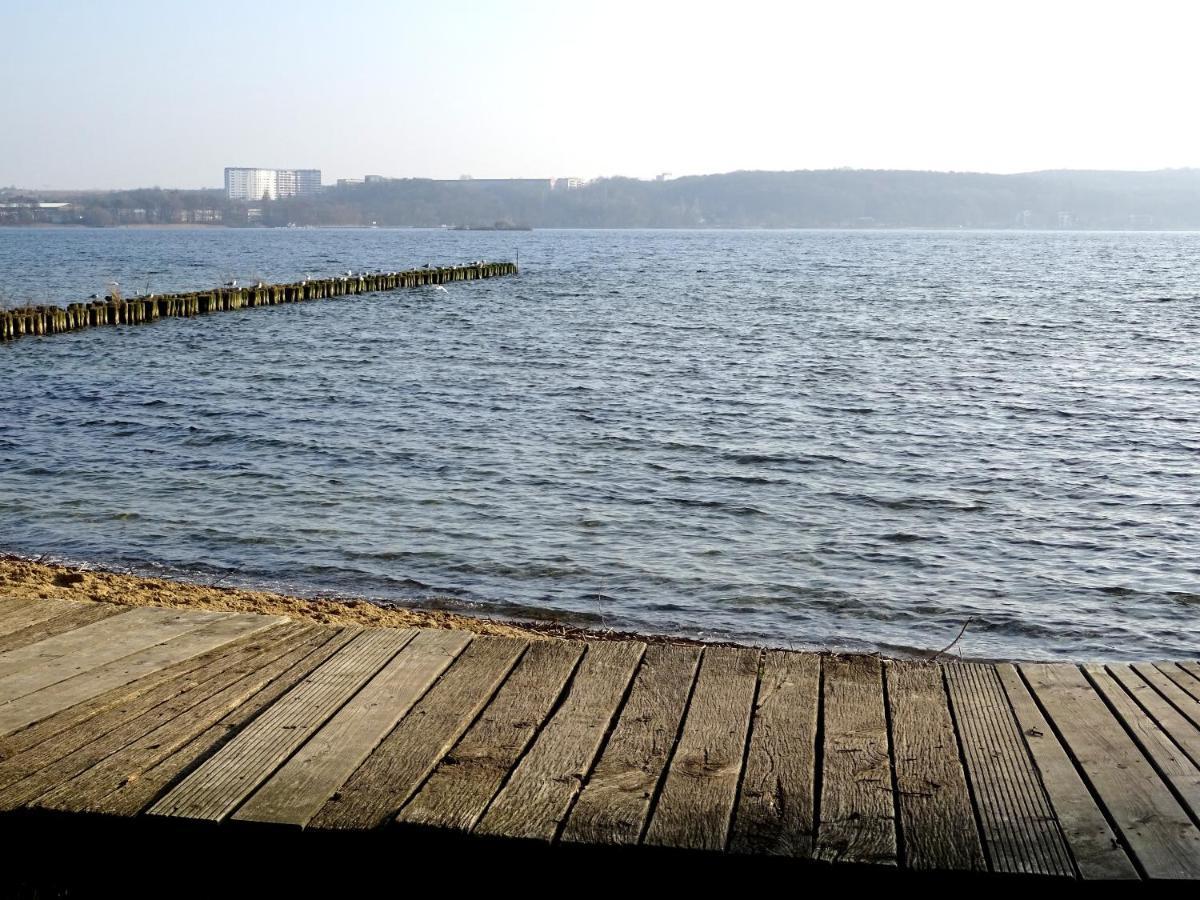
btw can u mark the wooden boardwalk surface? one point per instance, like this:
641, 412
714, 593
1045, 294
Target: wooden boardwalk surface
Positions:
164, 716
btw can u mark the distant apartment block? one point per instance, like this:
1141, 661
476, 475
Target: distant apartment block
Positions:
254, 184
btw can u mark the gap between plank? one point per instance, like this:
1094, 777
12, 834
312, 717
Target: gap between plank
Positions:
612, 726
737, 794
394, 817
897, 824
533, 738
818, 756
662, 776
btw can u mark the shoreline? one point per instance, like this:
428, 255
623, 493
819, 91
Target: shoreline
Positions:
32, 579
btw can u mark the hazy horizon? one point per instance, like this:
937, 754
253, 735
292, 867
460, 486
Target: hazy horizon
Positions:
133, 94
76, 189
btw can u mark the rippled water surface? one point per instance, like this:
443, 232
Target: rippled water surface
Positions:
858, 439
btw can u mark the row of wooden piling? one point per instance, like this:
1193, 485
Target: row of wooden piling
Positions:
33, 320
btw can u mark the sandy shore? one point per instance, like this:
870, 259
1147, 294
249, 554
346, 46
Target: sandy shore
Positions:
23, 578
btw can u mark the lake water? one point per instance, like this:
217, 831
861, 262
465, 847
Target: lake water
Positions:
848, 439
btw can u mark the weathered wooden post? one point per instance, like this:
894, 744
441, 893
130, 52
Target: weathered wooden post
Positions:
115, 310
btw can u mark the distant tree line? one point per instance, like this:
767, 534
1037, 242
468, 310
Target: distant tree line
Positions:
143, 206
804, 199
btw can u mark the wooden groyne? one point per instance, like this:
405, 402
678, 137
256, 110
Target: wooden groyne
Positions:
113, 310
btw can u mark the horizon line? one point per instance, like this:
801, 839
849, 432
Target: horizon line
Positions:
650, 180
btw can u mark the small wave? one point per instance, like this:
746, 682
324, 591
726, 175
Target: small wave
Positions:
749, 479
902, 537
913, 503
759, 459
722, 506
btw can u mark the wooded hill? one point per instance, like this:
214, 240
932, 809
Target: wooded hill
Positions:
836, 198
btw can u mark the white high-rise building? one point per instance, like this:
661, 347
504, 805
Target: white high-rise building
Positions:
254, 184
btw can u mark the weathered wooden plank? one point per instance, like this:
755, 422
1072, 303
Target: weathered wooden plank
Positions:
196, 639
1158, 832
377, 790
67, 755
1172, 763
937, 819
1191, 667
545, 782
163, 683
11, 607
82, 614
1097, 852
18, 614
212, 702
777, 805
615, 802
28, 669
1169, 718
132, 620
1020, 832
1187, 705
298, 790
464, 783
218, 786
1183, 677
698, 796
137, 793
857, 813
38, 746
1176, 685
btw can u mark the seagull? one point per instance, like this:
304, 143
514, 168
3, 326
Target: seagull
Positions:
438, 287
231, 283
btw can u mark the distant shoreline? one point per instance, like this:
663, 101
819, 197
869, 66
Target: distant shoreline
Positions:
808, 198
855, 229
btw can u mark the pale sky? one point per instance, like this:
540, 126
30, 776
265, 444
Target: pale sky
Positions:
127, 93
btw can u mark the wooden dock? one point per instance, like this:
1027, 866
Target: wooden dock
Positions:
251, 725
42, 320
